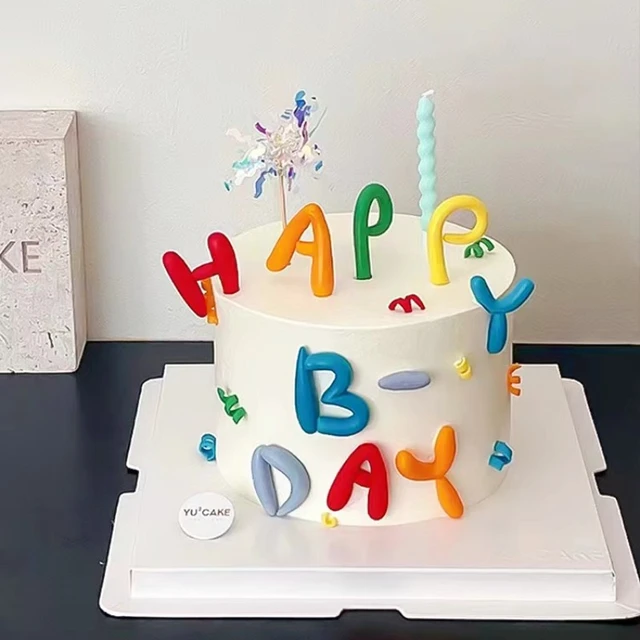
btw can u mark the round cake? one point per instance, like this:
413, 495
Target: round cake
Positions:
411, 394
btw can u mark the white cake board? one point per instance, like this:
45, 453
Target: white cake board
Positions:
546, 546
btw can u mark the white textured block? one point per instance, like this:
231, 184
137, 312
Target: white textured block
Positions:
43, 324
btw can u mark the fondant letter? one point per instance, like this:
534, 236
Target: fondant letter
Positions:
337, 394
319, 249
497, 308
352, 473
273, 455
412, 468
436, 236
223, 264
361, 229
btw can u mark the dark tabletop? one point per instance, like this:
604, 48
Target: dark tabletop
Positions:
63, 444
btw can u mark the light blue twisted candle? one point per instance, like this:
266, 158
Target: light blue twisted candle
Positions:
427, 156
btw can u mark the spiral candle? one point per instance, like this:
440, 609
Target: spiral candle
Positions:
426, 153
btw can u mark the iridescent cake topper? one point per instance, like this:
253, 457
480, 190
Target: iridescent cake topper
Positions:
280, 152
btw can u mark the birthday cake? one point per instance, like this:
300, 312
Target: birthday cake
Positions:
363, 359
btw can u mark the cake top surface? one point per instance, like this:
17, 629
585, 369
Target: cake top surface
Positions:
399, 267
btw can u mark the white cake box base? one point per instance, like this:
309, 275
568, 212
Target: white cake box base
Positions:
546, 545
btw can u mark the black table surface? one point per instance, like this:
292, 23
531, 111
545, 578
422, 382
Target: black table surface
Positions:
63, 444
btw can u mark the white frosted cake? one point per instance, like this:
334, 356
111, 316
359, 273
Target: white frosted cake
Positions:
263, 326
362, 360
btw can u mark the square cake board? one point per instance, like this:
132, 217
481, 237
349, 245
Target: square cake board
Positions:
545, 546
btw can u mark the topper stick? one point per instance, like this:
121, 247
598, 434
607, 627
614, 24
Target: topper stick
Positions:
283, 200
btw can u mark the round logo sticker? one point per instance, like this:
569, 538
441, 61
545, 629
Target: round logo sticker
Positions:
206, 516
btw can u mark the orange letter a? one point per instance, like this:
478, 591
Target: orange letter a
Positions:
319, 249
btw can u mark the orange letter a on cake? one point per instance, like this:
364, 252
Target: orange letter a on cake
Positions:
319, 249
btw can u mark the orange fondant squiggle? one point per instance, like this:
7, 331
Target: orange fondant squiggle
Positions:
413, 468
513, 380
210, 299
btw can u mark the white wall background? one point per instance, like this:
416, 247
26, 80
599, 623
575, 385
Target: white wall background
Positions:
538, 115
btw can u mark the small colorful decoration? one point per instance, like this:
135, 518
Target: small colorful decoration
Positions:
306, 397
207, 446
352, 472
501, 456
513, 380
406, 303
463, 368
210, 301
427, 157
412, 468
263, 459
476, 249
497, 308
280, 152
436, 238
405, 381
230, 402
361, 229
319, 249
223, 264
328, 520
